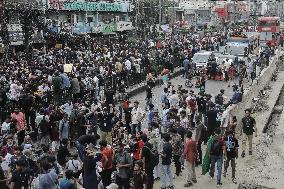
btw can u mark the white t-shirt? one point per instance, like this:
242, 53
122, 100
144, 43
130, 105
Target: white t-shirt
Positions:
225, 119
73, 165
128, 65
5, 126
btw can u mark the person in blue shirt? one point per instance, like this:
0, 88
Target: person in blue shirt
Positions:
65, 81
237, 96
69, 182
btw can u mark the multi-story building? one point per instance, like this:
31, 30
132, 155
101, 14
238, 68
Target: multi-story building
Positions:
194, 12
88, 16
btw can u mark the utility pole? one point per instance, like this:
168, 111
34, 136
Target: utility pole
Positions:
160, 13
4, 30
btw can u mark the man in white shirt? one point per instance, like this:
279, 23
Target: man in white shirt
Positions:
137, 115
6, 126
127, 64
67, 108
174, 100
225, 121
39, 118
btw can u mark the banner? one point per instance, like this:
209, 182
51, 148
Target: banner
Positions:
90, 6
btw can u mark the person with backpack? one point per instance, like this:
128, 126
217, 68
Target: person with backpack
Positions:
74, 165
166, 155
124, 163
190, 154
231, 154
216, 155
43, 128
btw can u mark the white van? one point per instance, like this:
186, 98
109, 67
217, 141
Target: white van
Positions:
201, 58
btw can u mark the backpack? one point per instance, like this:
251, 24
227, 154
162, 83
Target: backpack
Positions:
44, 126
154, 157
216, 147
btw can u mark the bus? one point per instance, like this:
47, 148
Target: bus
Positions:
269, 29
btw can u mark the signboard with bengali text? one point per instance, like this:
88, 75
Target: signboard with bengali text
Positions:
89, 6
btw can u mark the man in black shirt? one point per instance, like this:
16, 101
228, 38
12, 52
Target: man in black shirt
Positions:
166, 161
211, 120
201, 103
146, 157
106, 122
232, 146
248, 129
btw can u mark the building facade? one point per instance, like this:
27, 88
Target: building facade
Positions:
87, 16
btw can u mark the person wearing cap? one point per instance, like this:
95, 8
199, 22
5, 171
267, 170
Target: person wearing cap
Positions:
232, 146
124, 163
137, 115
248, 128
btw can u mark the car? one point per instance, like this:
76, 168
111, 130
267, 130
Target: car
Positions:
201, 58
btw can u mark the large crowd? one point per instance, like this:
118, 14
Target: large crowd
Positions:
62, 129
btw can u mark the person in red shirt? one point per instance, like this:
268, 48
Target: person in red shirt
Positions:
140, 145
190, 155
21, 124
107, 159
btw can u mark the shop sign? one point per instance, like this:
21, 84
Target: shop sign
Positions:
89, 6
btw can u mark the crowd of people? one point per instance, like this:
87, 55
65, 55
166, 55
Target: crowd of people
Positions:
78, 128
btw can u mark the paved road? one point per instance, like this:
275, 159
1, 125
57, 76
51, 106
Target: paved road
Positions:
213, 88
